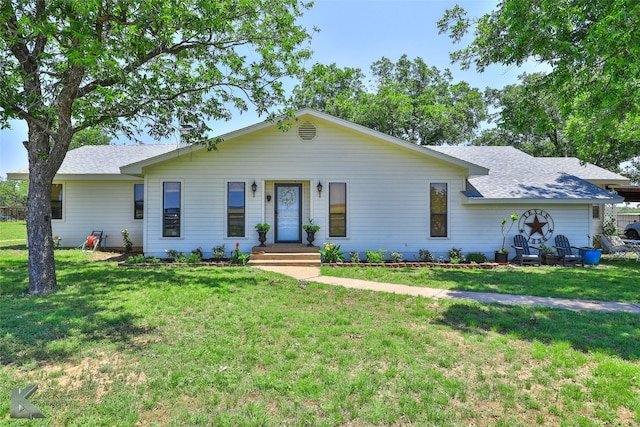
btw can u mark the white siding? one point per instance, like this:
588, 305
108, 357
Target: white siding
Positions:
97, 205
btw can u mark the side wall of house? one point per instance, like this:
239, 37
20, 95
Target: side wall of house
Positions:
97, 205
387, 195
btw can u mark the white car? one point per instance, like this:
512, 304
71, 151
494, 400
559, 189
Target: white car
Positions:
632, 231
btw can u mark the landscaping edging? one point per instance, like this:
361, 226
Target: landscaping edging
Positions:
484, 265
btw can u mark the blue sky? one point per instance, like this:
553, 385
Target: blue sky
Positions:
353, 33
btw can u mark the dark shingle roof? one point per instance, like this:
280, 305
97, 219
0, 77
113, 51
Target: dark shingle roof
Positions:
514, 174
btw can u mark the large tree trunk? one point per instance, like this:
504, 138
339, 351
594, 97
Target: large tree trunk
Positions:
42, 268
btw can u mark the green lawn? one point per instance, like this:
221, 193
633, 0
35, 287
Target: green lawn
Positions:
609, 281
237, 346
13, 233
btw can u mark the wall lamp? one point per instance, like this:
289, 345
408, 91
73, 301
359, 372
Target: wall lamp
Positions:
319, 187
268, 197
254, 188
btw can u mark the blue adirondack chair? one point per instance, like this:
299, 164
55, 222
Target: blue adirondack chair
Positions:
523, 251
565, 251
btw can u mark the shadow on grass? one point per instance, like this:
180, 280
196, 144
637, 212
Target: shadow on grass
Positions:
96, 302
613, 334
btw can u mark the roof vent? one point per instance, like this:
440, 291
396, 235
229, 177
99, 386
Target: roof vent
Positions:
307, 131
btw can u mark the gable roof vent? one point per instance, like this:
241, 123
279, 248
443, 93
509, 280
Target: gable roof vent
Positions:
307, 131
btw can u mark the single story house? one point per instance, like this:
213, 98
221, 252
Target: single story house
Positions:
364, 189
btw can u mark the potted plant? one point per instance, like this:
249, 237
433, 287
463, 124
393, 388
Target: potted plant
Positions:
548, 254
311, 229
502, 254
262, 230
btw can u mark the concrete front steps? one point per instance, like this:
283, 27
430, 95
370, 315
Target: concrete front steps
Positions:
286, 255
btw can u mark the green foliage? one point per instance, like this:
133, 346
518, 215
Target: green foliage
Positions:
609, 227
395, 257
528, 117
89, 137
57, 241
218, 252
592, 50
476, 257
136, 259
331, 253
408, 100
505, 230
13, 193
455, 255
132, 67
238, 257
376, 257
173, 254
425, 255
311, 226
354, 257
127, 244
198, 252
193, 258
263, 227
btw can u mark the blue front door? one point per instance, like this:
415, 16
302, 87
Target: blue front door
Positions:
288, 213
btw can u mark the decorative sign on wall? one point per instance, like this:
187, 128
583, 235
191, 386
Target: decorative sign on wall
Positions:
537, 225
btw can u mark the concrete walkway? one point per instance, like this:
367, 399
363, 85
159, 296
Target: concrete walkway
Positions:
313, 274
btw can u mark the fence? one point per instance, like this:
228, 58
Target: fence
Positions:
13, 213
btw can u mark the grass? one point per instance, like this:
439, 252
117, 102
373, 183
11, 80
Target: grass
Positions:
609, 281
13, 233
237, 346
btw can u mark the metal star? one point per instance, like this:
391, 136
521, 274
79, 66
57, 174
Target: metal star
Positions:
536, 226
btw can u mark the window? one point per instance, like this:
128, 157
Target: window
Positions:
595, 211
171, 209
56, 201
438, 203
138, 201
235, 209
337, 209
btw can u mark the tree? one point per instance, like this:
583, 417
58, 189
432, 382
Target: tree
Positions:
130, 66
328, 88
13, 193
89, 137
408, 100
593, 50
527, 117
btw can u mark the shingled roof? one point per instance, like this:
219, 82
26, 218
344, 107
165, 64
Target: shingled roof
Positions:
101, 159
517, 176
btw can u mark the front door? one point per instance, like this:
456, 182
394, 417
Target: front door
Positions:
288, 213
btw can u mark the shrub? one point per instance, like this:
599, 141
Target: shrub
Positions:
198, 251
136, 259
173, 254
375, 257
57, 241
218, 252
395, 257
193, 258
476, 257
354, 256
425, 255
455, 255
126, 241
331, 253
